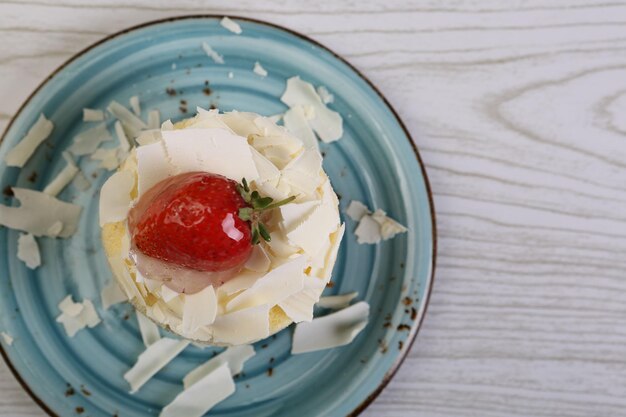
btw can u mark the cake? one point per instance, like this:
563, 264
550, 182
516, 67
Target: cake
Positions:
275, 281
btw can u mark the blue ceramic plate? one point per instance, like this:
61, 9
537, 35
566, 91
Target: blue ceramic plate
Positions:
375, 162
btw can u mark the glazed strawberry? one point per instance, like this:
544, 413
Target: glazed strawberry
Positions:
192, 220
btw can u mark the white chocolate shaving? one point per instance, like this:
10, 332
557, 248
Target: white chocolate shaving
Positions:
334, 330
81, 182
327, 123
28, 251
243, 326
92, 115
230, 25
21, 153
299, 306
149, 331
272, 288
63, 178
152, 360
122, 138
77, 316
210, 150
8, 339
88, 141
356, 210
107, 157
112, 294
258, 261
200, 309
115, 197
39, 212
134, 104
211, 53
297, 123
234, 357
259, 70
325, 95
337, 302
154, 119
132, 124
203, 395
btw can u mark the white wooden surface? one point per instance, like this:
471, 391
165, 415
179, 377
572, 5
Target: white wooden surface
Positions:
519, 110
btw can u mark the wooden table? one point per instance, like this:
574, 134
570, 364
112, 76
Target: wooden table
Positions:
519, 111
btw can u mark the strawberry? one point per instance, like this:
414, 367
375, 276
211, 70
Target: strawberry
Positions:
192, 220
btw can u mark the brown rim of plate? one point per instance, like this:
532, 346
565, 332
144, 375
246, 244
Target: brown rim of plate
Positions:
415, 328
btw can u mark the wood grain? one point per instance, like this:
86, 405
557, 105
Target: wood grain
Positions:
519, 110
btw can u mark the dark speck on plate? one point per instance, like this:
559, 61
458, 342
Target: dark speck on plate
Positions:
400, 344
183, 102
183, 109
80, 410
33, 176
264, 346
413, 313
383, 346
272, 360
69, 391
206, 91
8, 191
403, 326
407, 301
94, 175
212, 106
270, 371
85, 391
170, 91
330, 284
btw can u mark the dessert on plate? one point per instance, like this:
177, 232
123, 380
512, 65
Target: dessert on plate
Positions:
222, 228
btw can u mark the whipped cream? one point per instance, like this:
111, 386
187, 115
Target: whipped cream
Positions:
284, 278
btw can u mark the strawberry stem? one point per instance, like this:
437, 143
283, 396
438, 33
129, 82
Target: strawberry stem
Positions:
259, 205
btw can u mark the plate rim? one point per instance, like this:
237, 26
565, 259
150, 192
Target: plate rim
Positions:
430, 280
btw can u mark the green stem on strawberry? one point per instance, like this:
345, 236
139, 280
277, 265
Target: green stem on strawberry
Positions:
258, 206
